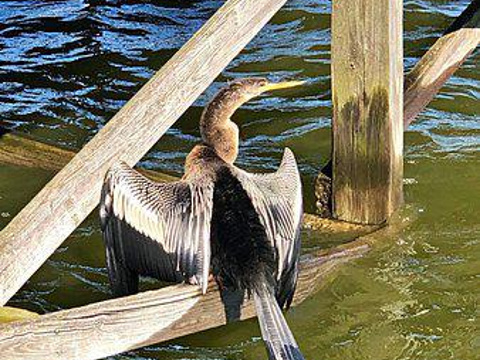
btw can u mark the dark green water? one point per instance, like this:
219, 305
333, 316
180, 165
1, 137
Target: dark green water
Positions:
67, 66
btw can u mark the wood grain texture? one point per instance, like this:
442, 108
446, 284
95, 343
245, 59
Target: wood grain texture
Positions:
114, 326
424, 81
367, 73
32, 236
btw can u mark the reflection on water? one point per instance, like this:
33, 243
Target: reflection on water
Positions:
67, 66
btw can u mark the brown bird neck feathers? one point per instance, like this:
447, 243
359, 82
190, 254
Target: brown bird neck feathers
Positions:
216, 127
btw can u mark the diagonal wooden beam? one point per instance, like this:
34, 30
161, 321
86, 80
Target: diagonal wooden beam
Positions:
433, 70
32, 236
110, 327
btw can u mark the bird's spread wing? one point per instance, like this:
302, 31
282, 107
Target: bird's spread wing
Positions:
156, 229
277, 198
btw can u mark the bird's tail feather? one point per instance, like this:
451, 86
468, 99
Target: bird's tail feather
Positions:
281, 344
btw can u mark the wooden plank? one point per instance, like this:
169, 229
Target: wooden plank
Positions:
367, 73
114, 326
30, 238
22, 150
441, 61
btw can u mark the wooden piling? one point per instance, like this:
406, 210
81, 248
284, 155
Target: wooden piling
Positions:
32, 236
367, 91
423, 82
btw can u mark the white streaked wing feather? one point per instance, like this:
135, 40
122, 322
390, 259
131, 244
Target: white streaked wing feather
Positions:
277, 198
174, 217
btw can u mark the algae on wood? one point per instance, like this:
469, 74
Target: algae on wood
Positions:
10, 314
367, 92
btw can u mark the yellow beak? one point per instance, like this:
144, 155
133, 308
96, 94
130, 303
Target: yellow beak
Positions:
281, 85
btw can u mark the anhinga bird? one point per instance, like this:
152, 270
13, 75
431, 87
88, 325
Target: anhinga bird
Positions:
243, 228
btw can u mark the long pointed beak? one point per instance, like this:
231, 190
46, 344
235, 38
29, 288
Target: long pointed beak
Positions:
281, 85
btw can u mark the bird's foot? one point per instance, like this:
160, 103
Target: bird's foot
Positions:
192, 280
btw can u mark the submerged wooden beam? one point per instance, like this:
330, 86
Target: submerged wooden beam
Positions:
367, 92
32, 236
114, 326
22, 150
424, 81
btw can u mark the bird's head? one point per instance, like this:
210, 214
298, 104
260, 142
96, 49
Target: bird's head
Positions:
236, 93
249, 88
216, 128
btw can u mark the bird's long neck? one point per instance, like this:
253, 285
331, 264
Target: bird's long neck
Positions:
217, 130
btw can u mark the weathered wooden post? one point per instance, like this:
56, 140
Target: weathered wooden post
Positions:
367, 88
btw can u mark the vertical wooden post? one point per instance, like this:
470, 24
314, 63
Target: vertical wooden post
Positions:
367, 84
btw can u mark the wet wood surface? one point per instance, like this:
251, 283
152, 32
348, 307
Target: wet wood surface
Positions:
367, 94
106, 328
